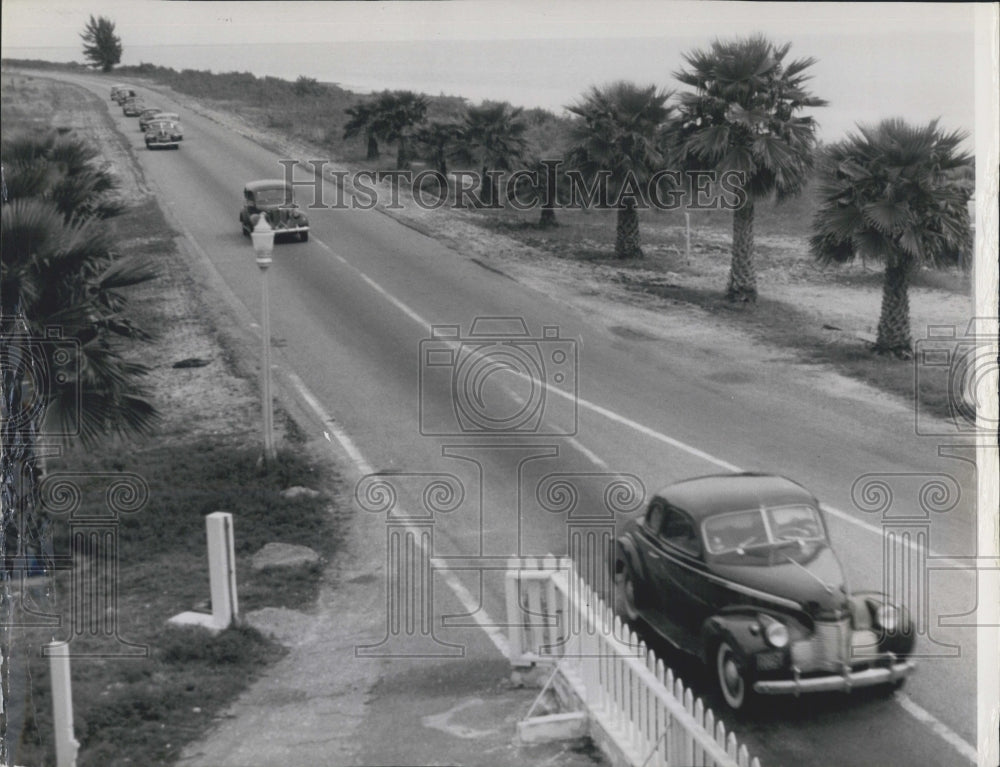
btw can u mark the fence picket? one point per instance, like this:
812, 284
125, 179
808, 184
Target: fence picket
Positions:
731, 745
743, 756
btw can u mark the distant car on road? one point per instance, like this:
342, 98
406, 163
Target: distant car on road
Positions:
163, 134
738, 570
123, 93
132, 107
146, 116
274, 199
174, 118
115, 89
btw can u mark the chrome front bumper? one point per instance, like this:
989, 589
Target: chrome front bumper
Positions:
896, 671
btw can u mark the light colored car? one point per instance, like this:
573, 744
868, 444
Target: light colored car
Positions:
147, 115
274, 199
175, 119
162, 134
115, 89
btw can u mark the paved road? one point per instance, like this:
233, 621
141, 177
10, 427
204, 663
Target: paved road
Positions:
352, 312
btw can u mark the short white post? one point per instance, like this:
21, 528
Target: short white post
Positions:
62, 707
221, 574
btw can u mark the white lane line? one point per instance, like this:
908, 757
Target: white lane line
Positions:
948, 735
923, 716
469, 602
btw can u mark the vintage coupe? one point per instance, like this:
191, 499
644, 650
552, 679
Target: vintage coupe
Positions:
737, 569
273, 198
162, 134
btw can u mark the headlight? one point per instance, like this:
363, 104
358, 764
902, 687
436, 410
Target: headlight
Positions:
887, 618
776, 634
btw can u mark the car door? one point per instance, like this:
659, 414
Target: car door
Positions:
674, 559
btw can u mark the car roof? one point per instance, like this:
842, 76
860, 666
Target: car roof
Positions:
703, 497
172, 115
267, 183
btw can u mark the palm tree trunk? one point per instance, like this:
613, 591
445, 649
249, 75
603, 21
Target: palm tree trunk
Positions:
627, 233
402, 156
548, 218
742, 270
372, 147
894, 322
487, 189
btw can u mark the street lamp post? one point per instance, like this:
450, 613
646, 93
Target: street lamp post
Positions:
263, 245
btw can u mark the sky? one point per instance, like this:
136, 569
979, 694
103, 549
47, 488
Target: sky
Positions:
875, 60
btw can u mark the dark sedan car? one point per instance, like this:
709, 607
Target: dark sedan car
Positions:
738, 570
273, 198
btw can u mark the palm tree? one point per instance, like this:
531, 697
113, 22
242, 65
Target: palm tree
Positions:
544, 184
618, 132
438, 141
62, 370
894, 193
397, 112
493, 139
364, 120
62, 168
742, 116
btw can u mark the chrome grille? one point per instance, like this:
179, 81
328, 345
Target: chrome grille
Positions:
827, 650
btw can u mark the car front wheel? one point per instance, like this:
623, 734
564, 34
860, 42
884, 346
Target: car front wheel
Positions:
731, 675
304, 236
625, 592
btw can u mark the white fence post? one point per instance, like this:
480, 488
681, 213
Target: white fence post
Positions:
221, 575
62, 708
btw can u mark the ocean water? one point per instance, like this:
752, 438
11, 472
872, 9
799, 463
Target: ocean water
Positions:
864, 79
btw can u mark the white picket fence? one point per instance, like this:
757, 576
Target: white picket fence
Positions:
651, 717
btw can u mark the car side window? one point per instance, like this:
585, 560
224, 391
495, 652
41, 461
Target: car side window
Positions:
654, 517
678, 531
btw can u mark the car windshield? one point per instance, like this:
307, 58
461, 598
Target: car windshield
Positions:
737, 531
275, 196
161, 125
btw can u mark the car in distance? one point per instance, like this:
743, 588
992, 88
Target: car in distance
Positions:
175, 119
738, 570
273, 198
162, 134
115, 89
146, 115
132, 107
122, 94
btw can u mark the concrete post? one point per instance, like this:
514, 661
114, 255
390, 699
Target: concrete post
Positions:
62, 708
221, 574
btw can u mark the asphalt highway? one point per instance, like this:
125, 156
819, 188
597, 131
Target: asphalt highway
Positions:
352, 314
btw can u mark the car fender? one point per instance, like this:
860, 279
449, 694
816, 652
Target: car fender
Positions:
741, 628
863, 607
